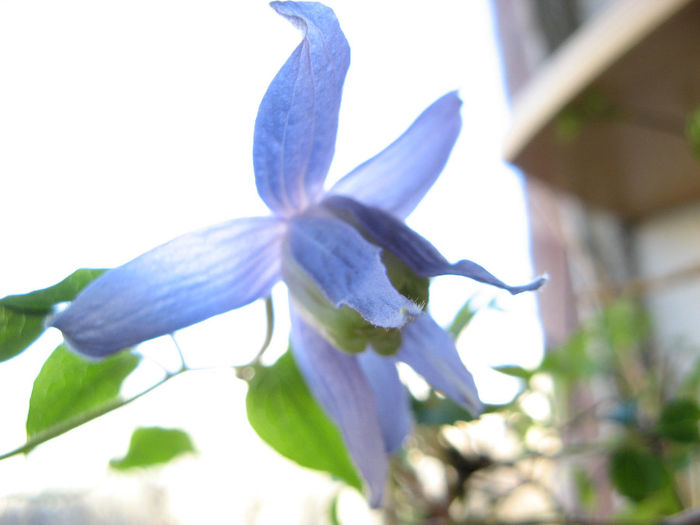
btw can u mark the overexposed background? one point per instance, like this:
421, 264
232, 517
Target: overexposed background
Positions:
124, 124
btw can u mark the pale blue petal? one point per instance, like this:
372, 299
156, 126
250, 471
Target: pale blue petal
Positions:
431, 352
185, 281
346, 268
340, 387
297, 121
392, 401
396, 179
415, 251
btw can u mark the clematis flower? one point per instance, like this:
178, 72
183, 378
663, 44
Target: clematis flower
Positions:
357, 275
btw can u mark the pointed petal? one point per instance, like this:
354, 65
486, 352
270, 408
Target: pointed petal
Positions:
347, 268
415, 251
392, 402
298, 117
185, 281
431, 352
396, 179
337, 382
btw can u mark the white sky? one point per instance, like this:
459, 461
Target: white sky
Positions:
124, 124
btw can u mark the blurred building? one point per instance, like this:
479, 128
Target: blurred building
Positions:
602, 95
602, 92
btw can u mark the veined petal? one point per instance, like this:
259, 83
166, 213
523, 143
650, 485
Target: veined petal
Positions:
297, 121
396, 179
185, 281
415, 251
392, 401
346, 268
339, 385
431, 352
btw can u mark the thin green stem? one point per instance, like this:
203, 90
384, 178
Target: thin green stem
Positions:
270, 315
183, 365
81, 419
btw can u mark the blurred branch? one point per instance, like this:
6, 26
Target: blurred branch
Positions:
637, 287
687, 517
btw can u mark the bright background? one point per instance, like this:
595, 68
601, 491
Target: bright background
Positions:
124, 124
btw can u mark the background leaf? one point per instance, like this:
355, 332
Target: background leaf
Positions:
151, 446
43, 300
636, 473
22, 316
462, 319
285, 415
679, 421
69, 385
515, 371
436, 410
17, 331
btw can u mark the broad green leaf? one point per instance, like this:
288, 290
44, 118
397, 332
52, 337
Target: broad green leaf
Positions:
438, 411
462, 319
679, 421
514, 371
636, 473
285, 415
17, 331
22, 317
151, 446
43, 300
69, 385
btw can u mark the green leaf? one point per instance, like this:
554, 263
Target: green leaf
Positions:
69, 385
679, 420
285, 415
438, 411
636, 473
151, 446
22, 316
17, 331
41, 301
514, 371
462, 319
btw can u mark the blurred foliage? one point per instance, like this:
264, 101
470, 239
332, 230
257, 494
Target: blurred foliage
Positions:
590, 107
599, 431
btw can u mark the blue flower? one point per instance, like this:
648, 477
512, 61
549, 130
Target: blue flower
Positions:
357, 275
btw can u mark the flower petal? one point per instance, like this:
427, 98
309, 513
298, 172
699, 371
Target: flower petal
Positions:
392, 402
396, 179
415, 251
298, 117
346, 267
339, 385
185, 281
431, 352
